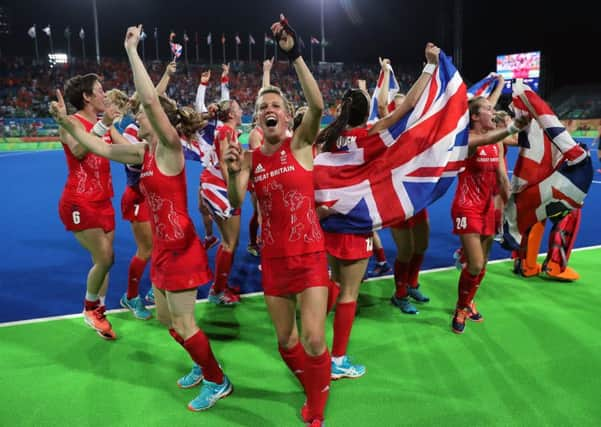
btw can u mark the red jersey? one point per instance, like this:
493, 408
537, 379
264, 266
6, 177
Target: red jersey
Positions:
89, 179
285, 194
167, 200
478, 182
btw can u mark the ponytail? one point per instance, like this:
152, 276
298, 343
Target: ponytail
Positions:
330, 134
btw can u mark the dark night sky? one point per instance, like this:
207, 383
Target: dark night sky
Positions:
568, 37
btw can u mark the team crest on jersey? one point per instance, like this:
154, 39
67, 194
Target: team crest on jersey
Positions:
259, 168
283, 156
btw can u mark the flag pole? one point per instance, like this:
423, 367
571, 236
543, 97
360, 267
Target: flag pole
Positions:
156, 42
196, 41
96, 32
83, 43
323, 35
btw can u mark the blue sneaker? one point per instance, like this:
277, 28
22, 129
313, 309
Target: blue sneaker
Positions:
404, 304
150, 296
417, 295
136, 306
380, 269
191, 379
346, 369
210, 393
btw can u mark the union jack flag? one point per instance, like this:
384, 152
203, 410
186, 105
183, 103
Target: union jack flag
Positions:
484, 87
393, 88
553, 172
403, 168
176, 49
201, 148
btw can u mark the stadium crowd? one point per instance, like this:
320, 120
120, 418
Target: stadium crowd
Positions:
26, 88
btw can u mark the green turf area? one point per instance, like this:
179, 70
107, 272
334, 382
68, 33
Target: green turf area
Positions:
17, 144
533, 362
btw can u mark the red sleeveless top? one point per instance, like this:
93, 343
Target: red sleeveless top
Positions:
477, 184
167, 200
285, 195
88, 179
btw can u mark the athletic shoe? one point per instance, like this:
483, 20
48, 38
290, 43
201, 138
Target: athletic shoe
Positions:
346, 369
136, 306
109, 335
209, 242
475, 315
253, 249
191, 379
96, 320
316, 423
226, 297
380, 269
458, 324
404, 304
417, 295
150, 296
210, 393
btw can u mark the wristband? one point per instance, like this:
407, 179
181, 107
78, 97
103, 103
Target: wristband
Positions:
511, 129
429, 69
99, 128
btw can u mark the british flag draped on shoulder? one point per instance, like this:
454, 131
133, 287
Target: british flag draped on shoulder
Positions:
201, 149
484, 87
407, 167
553, 172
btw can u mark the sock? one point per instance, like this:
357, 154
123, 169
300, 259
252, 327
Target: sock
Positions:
199, 348
296, 359
467, 283
134, 274
223, 265
413, 271
477, 286
401, 272
318, 370
177, 337
343, 323
90, 304
380, 255
253, 228
102, 301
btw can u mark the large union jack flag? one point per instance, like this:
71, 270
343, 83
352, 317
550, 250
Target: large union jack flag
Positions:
553, 172
407, 166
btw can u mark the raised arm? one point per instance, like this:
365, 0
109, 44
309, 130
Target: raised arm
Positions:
167, 135
201, 92
496, 94
307, 131
383, 95
127, 153
267, 65
496, 135
410, 100
225, 82
164, 82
